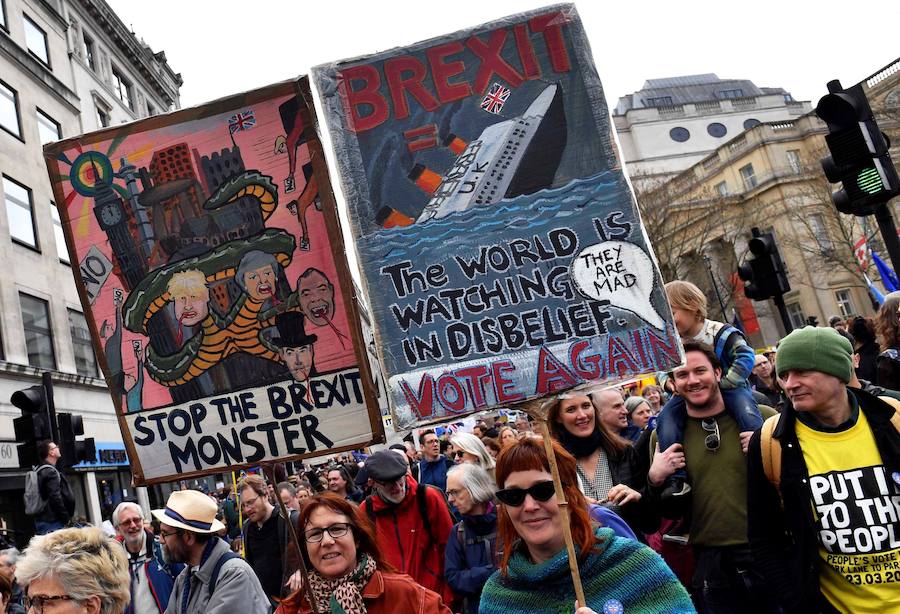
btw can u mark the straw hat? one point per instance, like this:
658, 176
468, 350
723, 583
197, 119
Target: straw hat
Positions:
190, 510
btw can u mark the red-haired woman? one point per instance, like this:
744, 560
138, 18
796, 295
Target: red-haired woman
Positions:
346, 570
618, 574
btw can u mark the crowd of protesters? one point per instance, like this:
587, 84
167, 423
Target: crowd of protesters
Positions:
746, 480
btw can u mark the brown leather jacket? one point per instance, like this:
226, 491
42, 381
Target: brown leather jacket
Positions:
385, 593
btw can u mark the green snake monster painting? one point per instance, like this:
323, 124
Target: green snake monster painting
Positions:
241, 328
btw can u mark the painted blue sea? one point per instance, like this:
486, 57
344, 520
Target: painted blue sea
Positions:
583, 212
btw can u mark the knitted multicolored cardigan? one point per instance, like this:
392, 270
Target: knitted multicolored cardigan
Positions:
620, 576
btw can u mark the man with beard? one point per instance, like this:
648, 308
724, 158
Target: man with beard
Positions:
265, 535
725, 579
152, 578
412, 521
215, 580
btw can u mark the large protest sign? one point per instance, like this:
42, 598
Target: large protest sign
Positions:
499, 241
213, 278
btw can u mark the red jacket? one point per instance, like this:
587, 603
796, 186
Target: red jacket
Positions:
407, 543
386, 593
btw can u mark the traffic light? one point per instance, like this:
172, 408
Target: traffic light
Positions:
764, 275
34, 424
72, 451
859, 157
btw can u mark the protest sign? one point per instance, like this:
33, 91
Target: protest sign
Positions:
500, 245
213, 279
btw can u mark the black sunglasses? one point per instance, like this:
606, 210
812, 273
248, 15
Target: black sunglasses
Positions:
514, 497
712, 427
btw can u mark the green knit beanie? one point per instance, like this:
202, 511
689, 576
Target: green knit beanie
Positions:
816, 349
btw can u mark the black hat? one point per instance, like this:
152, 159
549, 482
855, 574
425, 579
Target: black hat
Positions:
385, 466
291, 333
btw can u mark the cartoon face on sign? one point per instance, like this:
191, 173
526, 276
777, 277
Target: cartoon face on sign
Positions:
190, 296
620, 273
316, 297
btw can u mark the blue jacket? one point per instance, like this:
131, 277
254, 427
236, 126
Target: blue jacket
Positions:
468, 565
160, 575
435, 472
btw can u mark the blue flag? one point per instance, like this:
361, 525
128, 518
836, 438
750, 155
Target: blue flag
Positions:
888, 277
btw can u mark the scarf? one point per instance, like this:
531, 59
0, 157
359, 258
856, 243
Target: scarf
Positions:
579, 447
342, 595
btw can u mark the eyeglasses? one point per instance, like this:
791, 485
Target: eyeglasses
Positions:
339, 529
249, 502
458, 454
389, 483
127, 521
452, 492
164, 535
514, 497
37, 602
712, 427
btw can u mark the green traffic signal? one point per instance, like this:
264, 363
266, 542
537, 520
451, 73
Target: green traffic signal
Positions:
869, 181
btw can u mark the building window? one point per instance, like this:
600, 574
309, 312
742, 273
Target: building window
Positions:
788, 98
725, 94
9, 110
90, 51
820, 231
3, 16
750, 123
717, 130
748, 176
58, 235
844, 302
36, 41
122, 87
795, 314
48, 128
20, 212
722, 188
660, 101
102, 117
151, 110
679, 134
793, 158
38, 335
85, 362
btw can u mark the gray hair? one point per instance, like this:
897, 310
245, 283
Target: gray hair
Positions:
292, 492
85, 562
467, 442
124, 505
476, 480
12, 554
252, 260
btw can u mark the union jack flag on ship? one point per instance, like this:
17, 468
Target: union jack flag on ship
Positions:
495, 98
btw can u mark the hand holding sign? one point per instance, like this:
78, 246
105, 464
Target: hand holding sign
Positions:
620, 273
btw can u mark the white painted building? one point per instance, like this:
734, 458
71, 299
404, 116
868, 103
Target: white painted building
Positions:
671, 124
66, 67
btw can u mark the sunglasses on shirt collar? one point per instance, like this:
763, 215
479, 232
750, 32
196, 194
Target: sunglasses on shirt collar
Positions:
514, 497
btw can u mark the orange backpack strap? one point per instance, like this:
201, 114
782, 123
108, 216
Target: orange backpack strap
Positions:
895, 403
771, 451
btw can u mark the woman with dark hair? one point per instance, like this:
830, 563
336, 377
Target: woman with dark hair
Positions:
347, 572
866, 346
887, 331
618, 574
609, 471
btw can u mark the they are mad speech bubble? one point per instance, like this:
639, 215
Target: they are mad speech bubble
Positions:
618, 272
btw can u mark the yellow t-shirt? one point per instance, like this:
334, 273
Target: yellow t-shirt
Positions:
857, 511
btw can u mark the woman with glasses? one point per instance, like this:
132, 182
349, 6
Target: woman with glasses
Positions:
347, 572
469, 449
618, 574
469, 558
74, 571
610, 472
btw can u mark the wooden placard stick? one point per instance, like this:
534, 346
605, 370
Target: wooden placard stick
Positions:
269, 470
536, 409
